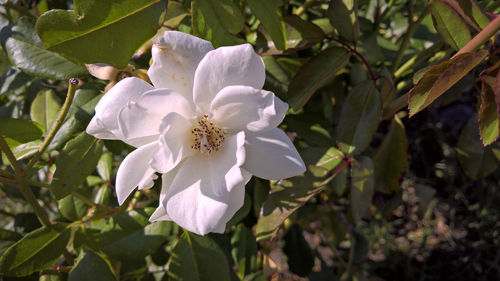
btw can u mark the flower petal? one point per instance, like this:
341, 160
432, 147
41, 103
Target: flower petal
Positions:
135, 171
247, 108
198, 197
174, 144
271, 155
236, 201
160, 214
175, 58
142, 118
227, 66
104, 125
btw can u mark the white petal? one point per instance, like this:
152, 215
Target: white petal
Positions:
174, 144
198, 197
236, 201
135, 171
175, 58
128, 89
246, 108
271, 155
160, 214
227, 66
142, 118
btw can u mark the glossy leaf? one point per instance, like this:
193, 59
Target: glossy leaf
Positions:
34, 252
217, 21
25, 51
391, 158
300, 257
471, 8
343, 15
175, 14
284, 199
362, 188
7, 238
45, 108
439, 78
314, 73
18, 131
77, 160
449, 24
105, 166
489, 112
301, 34
101, 31
268, 12
244, 250
476, 160
72, 207
198, 258
359, 118
140, 243
91, 267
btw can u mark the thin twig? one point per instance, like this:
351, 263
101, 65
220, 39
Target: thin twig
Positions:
22, 185
73, 85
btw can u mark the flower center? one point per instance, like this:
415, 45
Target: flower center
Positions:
207, 137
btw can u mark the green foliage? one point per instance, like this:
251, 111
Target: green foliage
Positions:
198, 258
25, 51
78, 159
399, 133
35, 251
101, 31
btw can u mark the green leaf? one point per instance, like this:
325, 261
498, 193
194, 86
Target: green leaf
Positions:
391, 158
175, 14
72, 207
136, 245
242, 212
285, 198
26, 150
7, 238
45, 108
105, 166
244, 250
439, 78
13, 79
91, 267
476, 160
473, 11
314, 73
35, 251
25, 51
359, 118
343, 15
77, 160
359, 247
449, 24
489, 112
330, 160
198, 258
103, 195
301, 34
79, 115
300, 257
18, 131
362, 187
101, 31
268, 12
217, 21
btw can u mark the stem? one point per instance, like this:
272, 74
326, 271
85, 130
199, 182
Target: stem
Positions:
304, 7
481, 38
73, 85
22, 186
412, 27
360, 56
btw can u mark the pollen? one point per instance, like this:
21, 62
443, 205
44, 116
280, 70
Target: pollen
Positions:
207, 137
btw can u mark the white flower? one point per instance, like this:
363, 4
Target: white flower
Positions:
207, 126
